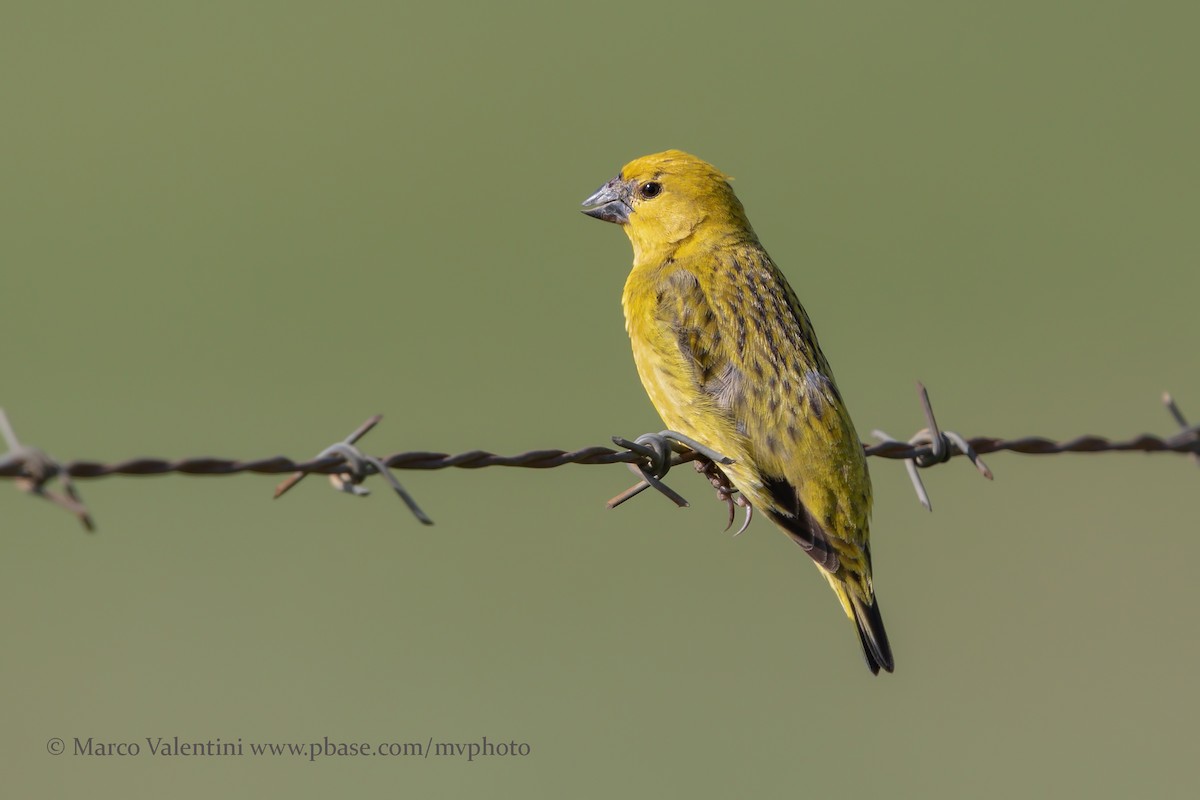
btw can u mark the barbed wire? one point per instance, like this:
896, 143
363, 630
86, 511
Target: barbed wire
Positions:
650, 456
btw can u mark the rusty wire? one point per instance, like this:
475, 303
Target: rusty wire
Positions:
650, 456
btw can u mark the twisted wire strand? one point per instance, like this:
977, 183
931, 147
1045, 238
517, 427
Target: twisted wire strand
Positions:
649, 456
547, 459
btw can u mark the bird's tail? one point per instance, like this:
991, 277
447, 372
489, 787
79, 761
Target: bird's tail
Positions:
876, 648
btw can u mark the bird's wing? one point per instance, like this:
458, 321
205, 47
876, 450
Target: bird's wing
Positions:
754, 356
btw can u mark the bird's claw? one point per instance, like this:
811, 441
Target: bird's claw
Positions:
726, 493
744, 503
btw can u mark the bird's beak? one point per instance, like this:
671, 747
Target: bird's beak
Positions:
610, 202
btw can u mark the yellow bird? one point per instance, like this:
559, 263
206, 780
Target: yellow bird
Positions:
729, 357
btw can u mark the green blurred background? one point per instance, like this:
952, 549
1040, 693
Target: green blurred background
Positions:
238, 229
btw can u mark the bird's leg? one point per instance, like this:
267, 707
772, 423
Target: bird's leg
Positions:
727, 493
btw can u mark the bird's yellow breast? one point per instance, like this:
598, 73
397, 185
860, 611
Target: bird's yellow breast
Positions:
669, 368
664, 369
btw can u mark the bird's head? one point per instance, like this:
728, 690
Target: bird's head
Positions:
663, 200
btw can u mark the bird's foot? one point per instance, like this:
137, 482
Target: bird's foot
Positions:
727, 493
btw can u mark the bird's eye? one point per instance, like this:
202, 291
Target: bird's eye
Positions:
651, 190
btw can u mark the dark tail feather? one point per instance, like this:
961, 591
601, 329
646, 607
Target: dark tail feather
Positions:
873, 637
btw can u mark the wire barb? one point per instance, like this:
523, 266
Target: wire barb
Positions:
358, 466
1190, 433
655, 454
939, 446
660, 451
36, 470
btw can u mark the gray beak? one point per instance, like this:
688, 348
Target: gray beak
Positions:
610, 202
